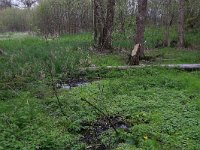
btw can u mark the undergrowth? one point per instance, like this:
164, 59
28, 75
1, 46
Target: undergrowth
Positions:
162, 110
160, 106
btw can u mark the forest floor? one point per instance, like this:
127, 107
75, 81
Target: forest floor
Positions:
46, 103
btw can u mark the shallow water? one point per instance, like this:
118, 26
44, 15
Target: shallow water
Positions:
70, 86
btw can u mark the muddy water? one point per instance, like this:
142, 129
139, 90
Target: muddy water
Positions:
70, 86
67, 85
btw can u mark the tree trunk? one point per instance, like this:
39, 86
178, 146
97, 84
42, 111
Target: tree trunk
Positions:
104, 26
95, 22
99, 16
167, 21
108, 25
140, 25
181, 30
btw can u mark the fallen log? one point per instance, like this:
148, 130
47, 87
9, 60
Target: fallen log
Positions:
184, 66
188, 67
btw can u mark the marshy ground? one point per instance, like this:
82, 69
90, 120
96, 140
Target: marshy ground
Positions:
151, 108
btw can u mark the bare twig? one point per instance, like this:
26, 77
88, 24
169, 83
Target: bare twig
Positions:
55, 90
99, 111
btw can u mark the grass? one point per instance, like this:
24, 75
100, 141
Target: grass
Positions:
108, 60
161, 106
174, 56
29, 55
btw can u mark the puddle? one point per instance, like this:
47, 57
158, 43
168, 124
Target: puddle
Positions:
92, 131
67, 85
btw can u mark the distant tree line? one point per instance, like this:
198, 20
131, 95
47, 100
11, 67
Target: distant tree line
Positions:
48, 17
55, 17
102, 17
77, 15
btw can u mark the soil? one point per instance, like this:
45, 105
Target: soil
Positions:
92, 131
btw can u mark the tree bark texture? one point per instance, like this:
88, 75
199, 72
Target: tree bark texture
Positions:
108, 26
104, 24
181, 29
140, 25
168, 23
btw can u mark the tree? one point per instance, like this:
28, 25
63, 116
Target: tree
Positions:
167, 22
98, 22
140, 25
108, 27
138, 51
55, 17
103, 24
192, 14
181, 29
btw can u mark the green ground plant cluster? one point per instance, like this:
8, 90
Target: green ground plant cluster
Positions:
161, 106
162, 109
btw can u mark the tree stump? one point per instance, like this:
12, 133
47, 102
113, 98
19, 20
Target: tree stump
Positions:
134, 58
1, 52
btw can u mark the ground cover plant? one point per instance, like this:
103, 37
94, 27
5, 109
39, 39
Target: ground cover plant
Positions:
99, 74
144, 108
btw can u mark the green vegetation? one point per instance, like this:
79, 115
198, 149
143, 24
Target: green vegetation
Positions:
155, 36
14, 19
160, 106
174, 56
65, 83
